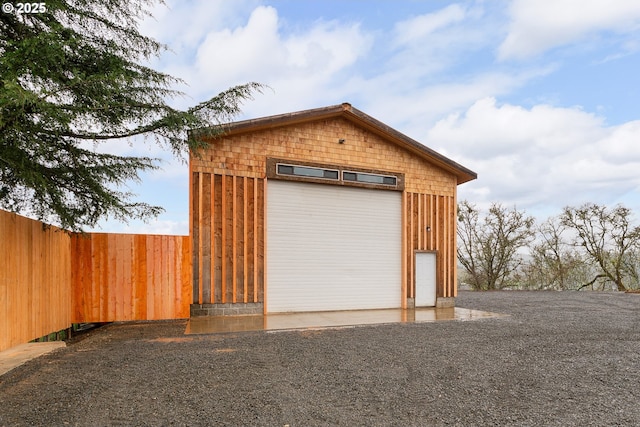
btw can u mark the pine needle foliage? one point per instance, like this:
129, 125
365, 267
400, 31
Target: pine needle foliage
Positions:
73, 77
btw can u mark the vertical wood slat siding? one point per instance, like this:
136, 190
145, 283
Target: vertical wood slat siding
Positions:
245, 239
262, 243
196, 241
205, 234
404, 282
35, 272
438, 213
454, 244
123, 277
211, 284
412, 245
223, 253
233, 249
234, 244
255, 247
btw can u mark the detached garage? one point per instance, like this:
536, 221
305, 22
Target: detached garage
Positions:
318, 210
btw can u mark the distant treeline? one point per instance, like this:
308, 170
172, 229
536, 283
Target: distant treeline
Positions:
587, 247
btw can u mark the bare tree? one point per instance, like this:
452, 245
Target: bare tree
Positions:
554, 262
488, 246
609, 239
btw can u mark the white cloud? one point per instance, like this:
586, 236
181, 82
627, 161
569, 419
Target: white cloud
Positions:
544, 155
427, 44
182, 24
244, 53
423, 105
297, 65
416, 29
540, 25
621, 145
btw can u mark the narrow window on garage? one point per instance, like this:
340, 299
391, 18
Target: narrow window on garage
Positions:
369, 178
307, 171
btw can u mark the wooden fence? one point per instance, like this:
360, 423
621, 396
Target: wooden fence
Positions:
35, 280
50, 278
122, 277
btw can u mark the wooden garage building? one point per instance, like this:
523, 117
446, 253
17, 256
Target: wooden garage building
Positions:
323, 209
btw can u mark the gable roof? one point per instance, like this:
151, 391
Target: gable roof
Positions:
346, 111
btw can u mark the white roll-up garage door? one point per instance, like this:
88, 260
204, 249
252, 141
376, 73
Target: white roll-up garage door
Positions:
332, 247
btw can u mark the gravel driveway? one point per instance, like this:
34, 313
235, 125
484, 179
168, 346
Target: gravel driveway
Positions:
560, 358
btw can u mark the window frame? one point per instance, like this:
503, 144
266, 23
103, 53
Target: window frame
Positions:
357, 173
273, 173
294, 166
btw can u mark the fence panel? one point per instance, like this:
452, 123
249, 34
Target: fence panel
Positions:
35, 277
50, 278
123, 277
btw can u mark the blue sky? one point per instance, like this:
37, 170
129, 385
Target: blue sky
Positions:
540, 98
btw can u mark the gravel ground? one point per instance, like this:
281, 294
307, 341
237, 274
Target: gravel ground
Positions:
559, 359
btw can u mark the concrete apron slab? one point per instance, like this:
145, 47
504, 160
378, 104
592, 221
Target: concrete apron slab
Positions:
22, 353
330, 319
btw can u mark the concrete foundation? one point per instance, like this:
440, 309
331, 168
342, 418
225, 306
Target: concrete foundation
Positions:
226, 309
445, 302
440, 303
